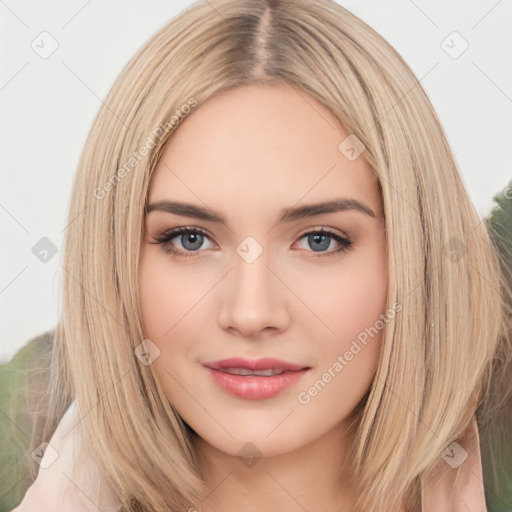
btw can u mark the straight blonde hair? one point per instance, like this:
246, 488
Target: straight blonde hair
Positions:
436, 354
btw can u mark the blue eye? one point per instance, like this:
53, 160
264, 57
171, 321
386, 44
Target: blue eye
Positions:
321, 239
192, 239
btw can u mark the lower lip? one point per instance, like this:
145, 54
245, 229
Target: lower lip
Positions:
255, 388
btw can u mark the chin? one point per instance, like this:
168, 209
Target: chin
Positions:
251, 444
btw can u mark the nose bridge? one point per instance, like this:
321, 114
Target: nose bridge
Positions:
251, 275
255, 298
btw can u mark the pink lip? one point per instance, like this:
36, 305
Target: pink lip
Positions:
255, 387
264, 363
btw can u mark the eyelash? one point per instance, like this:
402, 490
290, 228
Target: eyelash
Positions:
166, 237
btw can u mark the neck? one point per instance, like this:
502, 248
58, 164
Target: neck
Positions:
312, 477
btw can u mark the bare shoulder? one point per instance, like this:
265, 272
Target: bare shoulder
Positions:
65, 483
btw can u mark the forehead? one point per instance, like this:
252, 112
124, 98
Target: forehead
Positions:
261, 143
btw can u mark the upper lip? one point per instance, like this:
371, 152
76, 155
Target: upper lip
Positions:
265, 363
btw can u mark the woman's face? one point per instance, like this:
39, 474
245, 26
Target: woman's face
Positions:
251, 288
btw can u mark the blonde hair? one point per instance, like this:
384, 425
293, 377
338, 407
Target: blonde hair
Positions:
435, 355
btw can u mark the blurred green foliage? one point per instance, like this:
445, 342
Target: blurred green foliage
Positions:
496, 436
500, 220
17, 376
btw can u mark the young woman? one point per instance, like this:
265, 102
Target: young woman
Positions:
277, 294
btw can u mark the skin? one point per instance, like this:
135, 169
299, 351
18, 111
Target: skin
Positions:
248, 154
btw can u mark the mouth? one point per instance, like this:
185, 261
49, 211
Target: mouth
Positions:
255, 379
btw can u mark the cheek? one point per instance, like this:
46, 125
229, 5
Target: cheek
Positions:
173, 305
361, 301
349, 354
167, 296
158, 300
349, 298
164, 312
353, 307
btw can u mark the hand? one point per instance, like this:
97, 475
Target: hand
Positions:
68, 484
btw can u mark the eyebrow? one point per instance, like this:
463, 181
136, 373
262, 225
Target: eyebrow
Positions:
287, 214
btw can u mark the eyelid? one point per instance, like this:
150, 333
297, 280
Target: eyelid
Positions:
322, 229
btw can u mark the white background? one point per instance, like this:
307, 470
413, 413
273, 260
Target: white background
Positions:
48, 105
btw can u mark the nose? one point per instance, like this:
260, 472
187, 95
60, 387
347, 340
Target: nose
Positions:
254, 299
